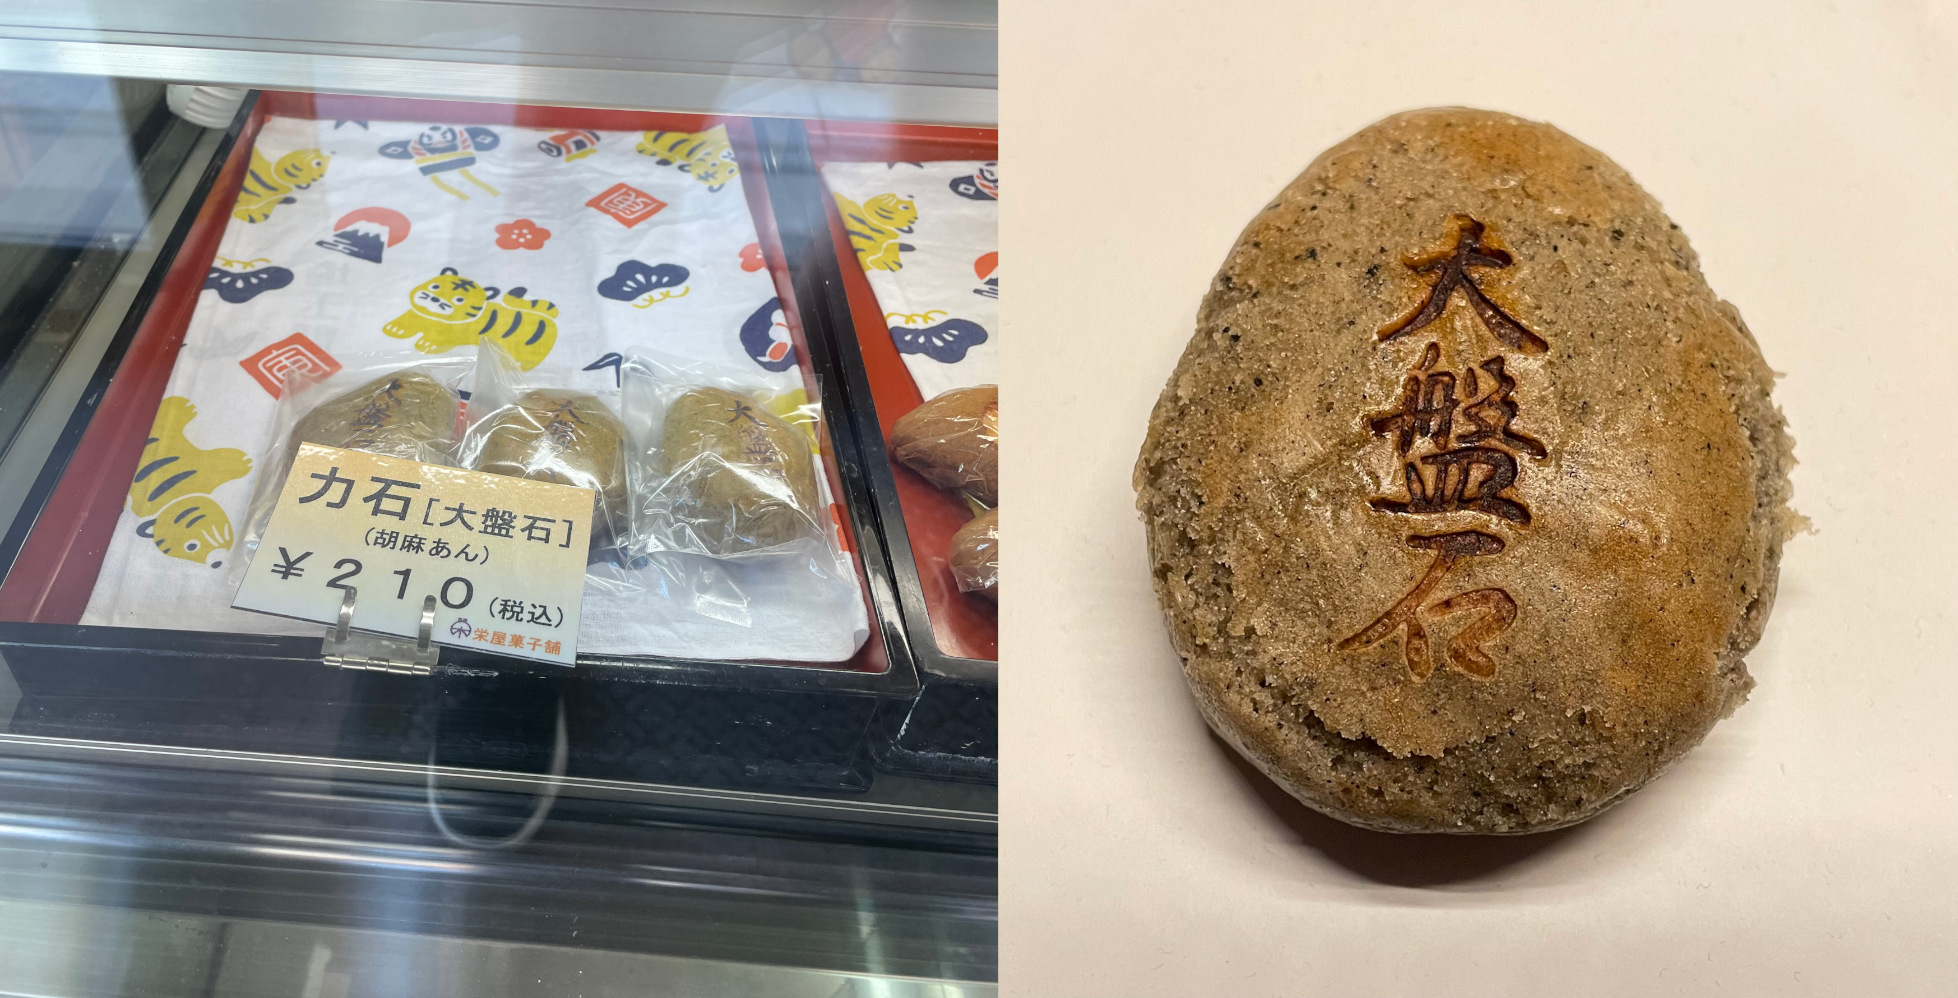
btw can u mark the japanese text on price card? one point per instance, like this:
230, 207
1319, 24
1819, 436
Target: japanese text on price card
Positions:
503, 557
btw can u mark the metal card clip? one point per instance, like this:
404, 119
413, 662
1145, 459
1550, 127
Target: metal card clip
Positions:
346, 648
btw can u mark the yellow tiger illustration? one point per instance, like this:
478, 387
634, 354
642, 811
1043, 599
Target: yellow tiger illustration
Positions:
268, 185
874, 226
451, 311
704, 156
173, 487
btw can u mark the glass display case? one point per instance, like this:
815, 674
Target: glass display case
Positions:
772, 767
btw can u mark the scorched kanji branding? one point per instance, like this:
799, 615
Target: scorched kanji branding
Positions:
1457, 445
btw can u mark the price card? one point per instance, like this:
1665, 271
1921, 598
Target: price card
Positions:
503, 557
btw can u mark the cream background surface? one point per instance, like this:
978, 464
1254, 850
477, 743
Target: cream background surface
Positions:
1810, 846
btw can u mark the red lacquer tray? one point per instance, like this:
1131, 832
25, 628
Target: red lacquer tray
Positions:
962, 626
59, 560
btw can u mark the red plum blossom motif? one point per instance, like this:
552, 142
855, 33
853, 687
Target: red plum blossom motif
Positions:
521, 234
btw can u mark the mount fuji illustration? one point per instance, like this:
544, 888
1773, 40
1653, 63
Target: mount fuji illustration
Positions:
365, 233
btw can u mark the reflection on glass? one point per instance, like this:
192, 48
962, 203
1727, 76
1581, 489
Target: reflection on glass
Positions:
226, 814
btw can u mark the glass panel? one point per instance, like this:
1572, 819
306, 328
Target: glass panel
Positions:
765, 774
882, 60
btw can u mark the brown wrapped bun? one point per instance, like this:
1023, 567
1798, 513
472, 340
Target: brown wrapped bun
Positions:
953, 441
1466, 499
974, 556
746, 479
407, 414
565, 437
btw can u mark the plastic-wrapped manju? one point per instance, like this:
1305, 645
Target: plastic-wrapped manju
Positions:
564, 437
745, 477
406, 414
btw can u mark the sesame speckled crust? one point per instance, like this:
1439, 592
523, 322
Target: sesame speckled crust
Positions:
1656, 514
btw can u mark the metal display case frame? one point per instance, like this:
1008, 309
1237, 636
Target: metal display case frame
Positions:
852, 718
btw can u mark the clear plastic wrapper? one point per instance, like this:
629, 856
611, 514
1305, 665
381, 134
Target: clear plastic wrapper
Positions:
953, 441
797, 599
974, 556
521, 428
721, 467
801, 608
370, 404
